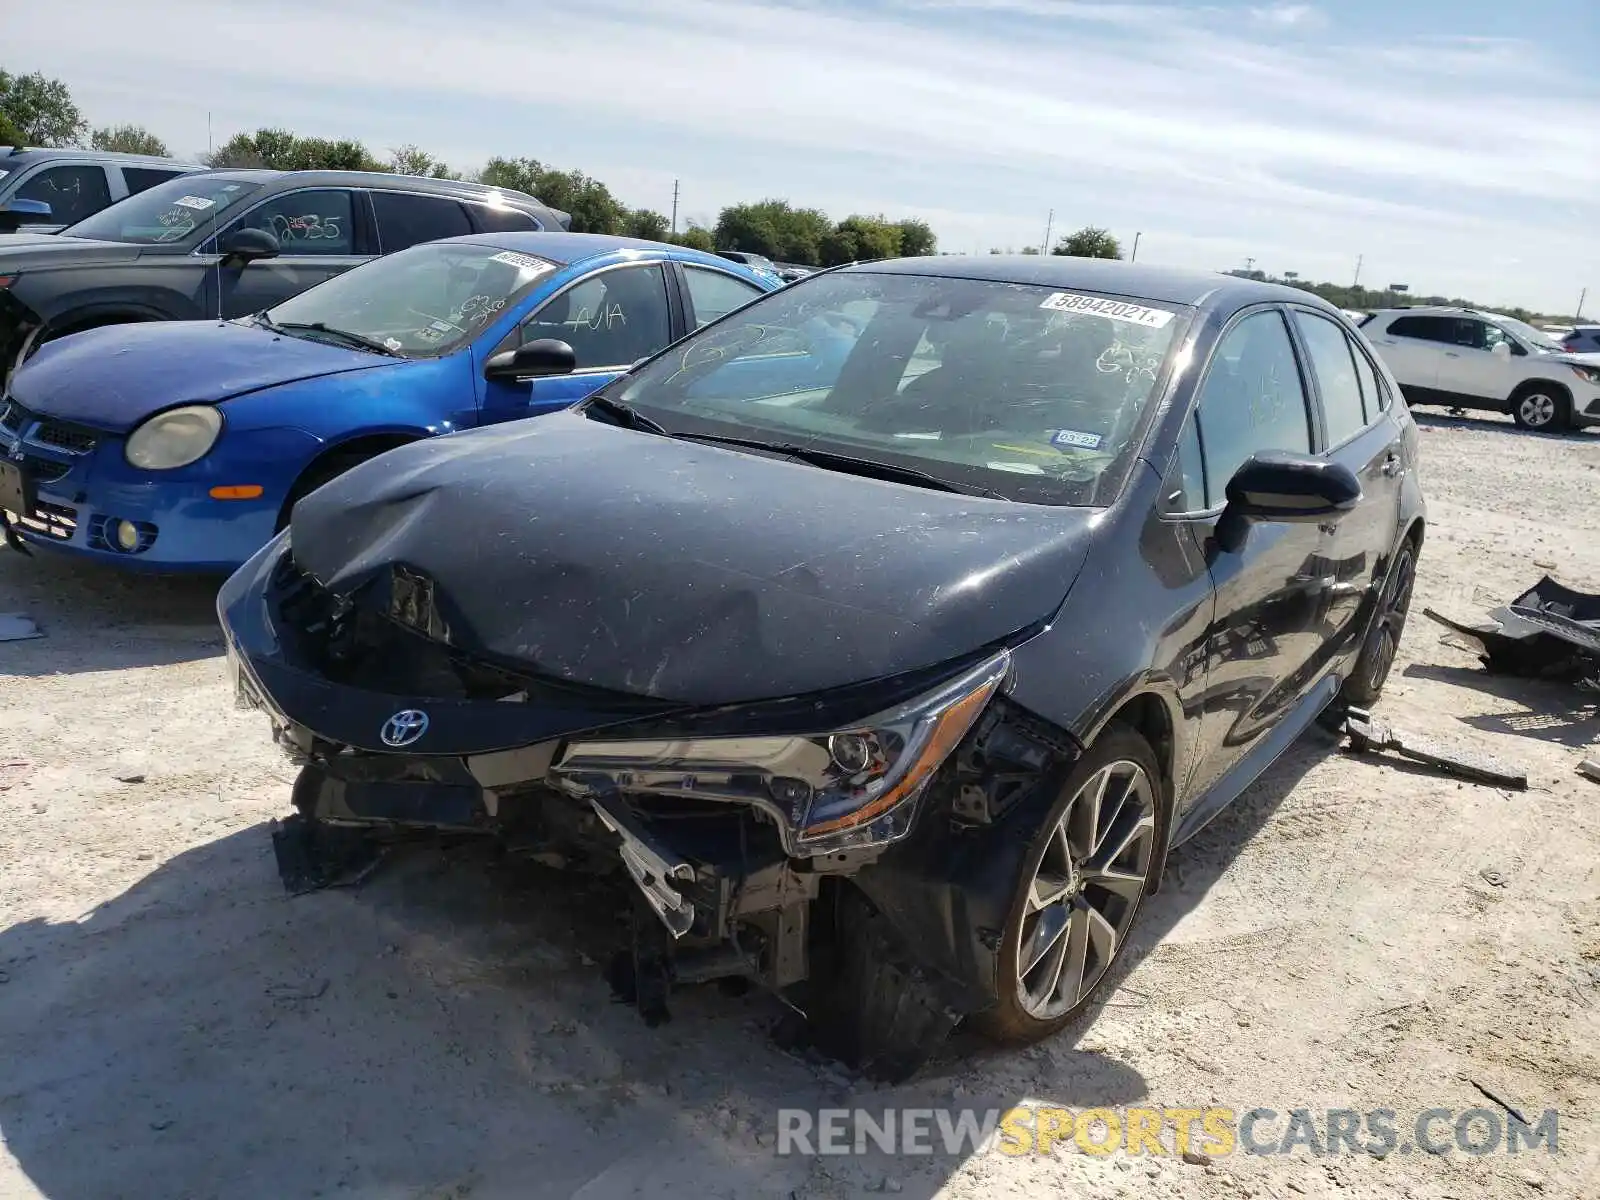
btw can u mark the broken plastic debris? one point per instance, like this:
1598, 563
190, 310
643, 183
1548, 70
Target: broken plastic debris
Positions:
14, 627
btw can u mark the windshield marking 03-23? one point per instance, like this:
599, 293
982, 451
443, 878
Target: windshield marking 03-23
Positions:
1034, 393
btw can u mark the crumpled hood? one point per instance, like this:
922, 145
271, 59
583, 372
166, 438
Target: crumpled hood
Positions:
114, 377
682, 571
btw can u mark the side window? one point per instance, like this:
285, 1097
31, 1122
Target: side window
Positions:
72, 193
1335, 369
1252, 399
1493, 336
310, 222
140, 178
714, 294
404, 220
611, 319
1472, 334
496, 219
1426, 329
1373, 396
1190, 470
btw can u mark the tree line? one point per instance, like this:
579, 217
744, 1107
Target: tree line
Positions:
38, 111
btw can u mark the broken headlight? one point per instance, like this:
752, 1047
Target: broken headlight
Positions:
832, 790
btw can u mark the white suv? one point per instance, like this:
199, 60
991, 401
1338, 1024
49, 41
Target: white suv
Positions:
1468, 359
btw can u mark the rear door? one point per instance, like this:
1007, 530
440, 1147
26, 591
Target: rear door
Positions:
1412, 346
1472, 371
405, 219
710, 294
1357, 432
1265, 650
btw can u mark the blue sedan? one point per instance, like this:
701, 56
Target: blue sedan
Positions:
184, 445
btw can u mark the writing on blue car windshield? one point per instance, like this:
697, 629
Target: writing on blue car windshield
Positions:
1035, 393
168, 212
419, 303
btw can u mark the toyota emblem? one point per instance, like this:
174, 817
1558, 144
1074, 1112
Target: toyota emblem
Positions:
404, 727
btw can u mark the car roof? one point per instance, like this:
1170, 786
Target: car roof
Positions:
12, 156
382, 180
569, 248
1166, 285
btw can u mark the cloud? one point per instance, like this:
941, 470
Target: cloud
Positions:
1205, 132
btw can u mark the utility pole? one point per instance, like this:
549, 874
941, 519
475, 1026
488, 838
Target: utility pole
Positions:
1356, 282
674, 208
1582, 296
209, 149
1249, 264
1048, 222
1134, 257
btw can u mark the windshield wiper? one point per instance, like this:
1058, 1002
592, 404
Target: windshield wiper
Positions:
849, 464
623, 414
344, 335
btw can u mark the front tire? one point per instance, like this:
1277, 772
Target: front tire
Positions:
1542, 409
1087, 871
1382, 647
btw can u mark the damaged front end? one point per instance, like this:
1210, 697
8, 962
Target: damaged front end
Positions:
854, 852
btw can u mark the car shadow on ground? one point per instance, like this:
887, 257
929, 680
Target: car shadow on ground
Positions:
1547, 709
443, 1030
94, 618
1437, 419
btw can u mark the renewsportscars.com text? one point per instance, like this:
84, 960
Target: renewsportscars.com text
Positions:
1211, 1131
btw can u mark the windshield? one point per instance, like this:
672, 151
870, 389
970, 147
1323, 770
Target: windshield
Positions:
168, 212
1035, 393
421, 302
1536, 338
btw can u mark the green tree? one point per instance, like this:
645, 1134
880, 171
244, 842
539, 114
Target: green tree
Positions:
696, 237
128, 139
840, 246
874, 236
10, 135
645, 223
414, 160
594, 209
42, 110
751, 228
916, 238
1089, 242
280, 150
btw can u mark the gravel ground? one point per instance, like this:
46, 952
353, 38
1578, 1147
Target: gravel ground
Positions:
171, 1024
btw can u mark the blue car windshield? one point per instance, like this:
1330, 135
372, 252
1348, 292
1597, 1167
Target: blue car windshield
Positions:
1036, 393
168, 212
418, 303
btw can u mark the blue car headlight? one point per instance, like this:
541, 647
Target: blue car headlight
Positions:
832, 790
174, 438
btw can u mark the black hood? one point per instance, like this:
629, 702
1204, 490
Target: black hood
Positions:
682, 571
20, 251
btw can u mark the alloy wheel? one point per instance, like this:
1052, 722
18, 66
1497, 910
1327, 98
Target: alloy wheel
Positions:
1537, 409
1086, 889
1392, 619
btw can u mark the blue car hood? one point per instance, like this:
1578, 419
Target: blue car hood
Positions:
115, 377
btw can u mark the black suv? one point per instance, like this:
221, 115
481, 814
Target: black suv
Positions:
228, 243
47, 190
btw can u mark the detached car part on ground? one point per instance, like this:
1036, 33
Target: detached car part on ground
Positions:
889, 677
184, 445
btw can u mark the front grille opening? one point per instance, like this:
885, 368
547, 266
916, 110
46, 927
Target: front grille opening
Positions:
64, 437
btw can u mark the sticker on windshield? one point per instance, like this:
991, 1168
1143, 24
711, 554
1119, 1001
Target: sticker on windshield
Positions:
1016, 468
921, 437
394, 343
1072, 439
526, 261
195, 202
1115, 310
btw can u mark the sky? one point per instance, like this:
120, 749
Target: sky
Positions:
1453, 145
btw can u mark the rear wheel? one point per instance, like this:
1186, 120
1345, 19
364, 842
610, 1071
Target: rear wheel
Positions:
1382, 646
1082, 882
1542, 408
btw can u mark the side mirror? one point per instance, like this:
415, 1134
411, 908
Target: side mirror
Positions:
245, 245
1279, 487
17, 212
1501, 350
537, 359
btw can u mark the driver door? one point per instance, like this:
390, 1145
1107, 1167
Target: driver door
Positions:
1472, 369
317, 230
611, 318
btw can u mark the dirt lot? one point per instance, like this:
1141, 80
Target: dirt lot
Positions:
171, 1024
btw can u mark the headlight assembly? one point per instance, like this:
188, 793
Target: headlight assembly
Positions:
831, 790
1586, 373
174, 438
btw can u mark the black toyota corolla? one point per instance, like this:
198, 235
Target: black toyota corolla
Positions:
888, 631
